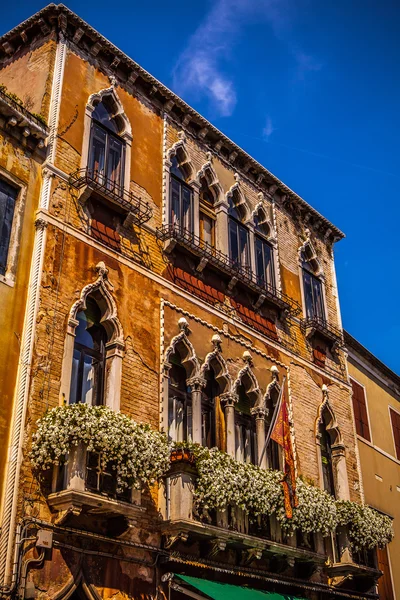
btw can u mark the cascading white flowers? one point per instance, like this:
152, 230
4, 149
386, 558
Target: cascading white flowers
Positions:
141, 455
138, 453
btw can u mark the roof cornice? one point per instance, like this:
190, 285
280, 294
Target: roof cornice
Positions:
128, 73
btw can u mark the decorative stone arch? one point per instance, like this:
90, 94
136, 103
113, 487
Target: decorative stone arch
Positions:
265, 223
308, 252
249, 381
208, 173
239, 200
111, 97
183, 345
179, 150
216, 361
327, 416
100, 291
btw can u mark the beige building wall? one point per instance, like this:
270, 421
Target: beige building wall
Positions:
379, 465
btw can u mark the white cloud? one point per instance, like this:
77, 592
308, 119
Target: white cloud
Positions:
200, 71
268, 129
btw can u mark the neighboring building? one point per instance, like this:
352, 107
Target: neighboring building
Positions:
172, 278
376, 405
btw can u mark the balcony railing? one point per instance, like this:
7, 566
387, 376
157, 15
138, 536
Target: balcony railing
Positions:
208, 255
94, 181
318, 325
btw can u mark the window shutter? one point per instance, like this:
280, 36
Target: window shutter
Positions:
360, 411
395, 417
8, 195
385, 583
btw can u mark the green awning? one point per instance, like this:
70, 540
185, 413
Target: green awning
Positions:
224, 591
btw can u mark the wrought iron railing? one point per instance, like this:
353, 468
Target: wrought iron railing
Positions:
225, 264
322, 326
23, 111
141, 210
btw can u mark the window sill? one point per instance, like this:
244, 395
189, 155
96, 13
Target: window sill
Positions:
136, 210
82, 501
317, 327
183, 528
7, 280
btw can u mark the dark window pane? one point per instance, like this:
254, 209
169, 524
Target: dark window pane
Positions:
233, 242
186, 208
8, 196
244, 238
74, 377
98, 153
317, 298
326, 459
260, 262
104, 116
175, 202
308, 294
114, 162
176, 170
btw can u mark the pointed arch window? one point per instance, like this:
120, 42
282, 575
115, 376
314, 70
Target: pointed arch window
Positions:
207, 214
265, 272
180, 400
273, 451
106, 149
238, 236
181, 202
88, 363
326, 459
245, 429
208, 410
313, 290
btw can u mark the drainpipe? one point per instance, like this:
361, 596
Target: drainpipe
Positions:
15, 454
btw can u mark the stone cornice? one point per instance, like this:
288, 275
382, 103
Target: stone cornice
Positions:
128, 74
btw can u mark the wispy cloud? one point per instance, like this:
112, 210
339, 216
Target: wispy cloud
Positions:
268, 129
203, 69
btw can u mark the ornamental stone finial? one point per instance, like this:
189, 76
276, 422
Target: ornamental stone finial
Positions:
183, 325
247, 357
101, 269
182, 136
216, 341
275, 372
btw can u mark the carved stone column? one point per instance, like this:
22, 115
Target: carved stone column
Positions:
228, 401
196, 207
197, 384
67, 361
260, 413
114, 356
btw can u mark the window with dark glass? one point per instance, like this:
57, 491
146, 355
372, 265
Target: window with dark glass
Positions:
207, 215
273, 449
8, 196
360, 410
245, 429
208, 410
106, 150
326, 459
100, 478
264, 258
181, 199
238, 239
180, 400
87, 378
313, 294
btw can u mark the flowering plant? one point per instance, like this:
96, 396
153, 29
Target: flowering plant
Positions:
138, 453
367, 527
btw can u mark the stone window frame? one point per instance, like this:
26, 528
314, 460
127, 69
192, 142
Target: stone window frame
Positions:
208, 172
318, 272
271, 238
125, 134
339, 462
179, 149
10, 275
115, 346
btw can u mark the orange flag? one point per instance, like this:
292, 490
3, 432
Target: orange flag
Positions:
281, 435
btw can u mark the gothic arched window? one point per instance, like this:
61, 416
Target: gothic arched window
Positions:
326, 459
207, 213
180, 400
181, 197
238, 234
313, 290
88, 363
273, 449
246, 442
264, 254
106, 149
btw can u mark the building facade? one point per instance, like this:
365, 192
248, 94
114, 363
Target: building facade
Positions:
376, 407
166, 275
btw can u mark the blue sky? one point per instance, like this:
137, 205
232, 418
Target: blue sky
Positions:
311, 89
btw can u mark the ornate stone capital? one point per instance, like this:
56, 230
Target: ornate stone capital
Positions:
196, 383
260, 412
229, 399
41, 223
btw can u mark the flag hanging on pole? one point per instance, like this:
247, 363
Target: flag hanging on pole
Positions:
281, 435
